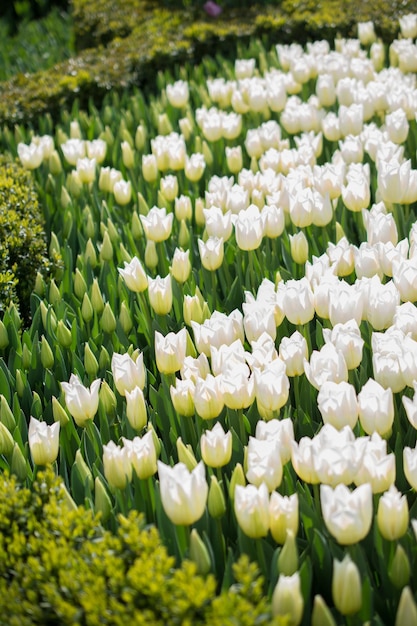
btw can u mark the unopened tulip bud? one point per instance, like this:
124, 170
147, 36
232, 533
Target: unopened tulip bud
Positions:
288, 558
96, 297
136, 411
136, 226
299, 248
90, 255
207, 154
199, 553
55, 165
199, 212
140, 137
26, 357
160, 294
156, 440
186, 454
164, 124
102, 502
59, 413
6, 441
54, 293
6, 416
393, 514
117, 465
238, 478
151, 255
181, 266
80, 286
128, 156
234, 159
399, 570
83, 470
346, 586
106, 252
185, 128
63, 334
192, 310
407, 609
216, 501
65, 197
321, 615
104, 359
39, 290
18, 465
183, 235
287, 599
47, 356
90, 362
108, 321
107, 399
122, 192
4, 337
87, 310
125, 318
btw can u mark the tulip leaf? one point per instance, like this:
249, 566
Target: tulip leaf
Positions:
4, 381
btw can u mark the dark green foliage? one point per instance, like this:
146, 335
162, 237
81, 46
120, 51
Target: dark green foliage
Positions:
58, 565
37, 45
17, 11
22, 237
143, 38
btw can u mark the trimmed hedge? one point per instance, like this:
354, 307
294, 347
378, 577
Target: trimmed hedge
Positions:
58, 565
143, 38
23, 250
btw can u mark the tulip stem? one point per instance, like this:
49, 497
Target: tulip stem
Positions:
260, 554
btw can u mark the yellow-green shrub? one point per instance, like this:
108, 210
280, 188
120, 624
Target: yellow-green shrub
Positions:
23, 241
60, 566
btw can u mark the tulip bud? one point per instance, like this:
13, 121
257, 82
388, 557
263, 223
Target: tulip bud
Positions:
65, 197
83, 470
199, 212
216, 500
128, 156
136, 411
160, 294
288, 558
90, 255
59, 413
6, 441
393, 514
407, 609
97, 301
185, 127
186, 454
287, 599
63, 334
321, 615
107, 399
87, 310
299, 247
26, 357
181, 266
164, 124
18, 465
125, 318
6, 416
90, 362
140, 137
238, 478
106, 252
47, 356
102, 502
151, 255
80, 286
53, 293
108, 321
234, 159
117, 465
346, 586
399, 570
199, 553
43, 441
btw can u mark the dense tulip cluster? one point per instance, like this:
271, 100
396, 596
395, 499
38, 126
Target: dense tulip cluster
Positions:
241, 344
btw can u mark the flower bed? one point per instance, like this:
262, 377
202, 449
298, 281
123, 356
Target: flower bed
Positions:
230, 346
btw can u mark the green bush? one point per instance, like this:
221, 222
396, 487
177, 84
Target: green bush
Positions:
144, 39
58, 565
22, 235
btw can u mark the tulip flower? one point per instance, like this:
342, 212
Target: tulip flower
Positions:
208, 397
122, 191
378, 467
170, 351
408, 25
326, 364
298, 303
347, 514
160, 294
216, 446
407, 608
178, 94
376, 408
134, 275
410, 465
264, 463
346, 586
249, 228
283, 515
182, 397
128, 372
287, 599
252, 509
211, 253
81, 402
293, 351
183, 493
142, 454
117, 465
43, 441
272, 386
31, 156
393, 514
169, 187
218, 224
